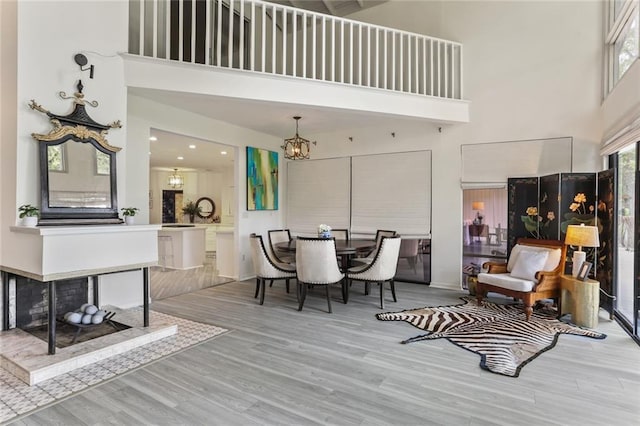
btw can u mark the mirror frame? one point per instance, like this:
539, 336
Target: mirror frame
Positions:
77, 127
76, 214
213, 207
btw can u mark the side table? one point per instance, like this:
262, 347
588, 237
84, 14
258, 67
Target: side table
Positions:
581, 299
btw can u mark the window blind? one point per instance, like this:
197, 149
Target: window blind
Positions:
318, 192
391, 191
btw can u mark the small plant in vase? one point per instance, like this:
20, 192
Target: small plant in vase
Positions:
129, 213
192, 209
28, 214
324, 231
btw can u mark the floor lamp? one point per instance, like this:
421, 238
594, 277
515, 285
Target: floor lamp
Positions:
581, 236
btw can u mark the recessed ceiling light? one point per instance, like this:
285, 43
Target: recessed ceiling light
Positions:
180, 158
192, 146
223, 152
153, 138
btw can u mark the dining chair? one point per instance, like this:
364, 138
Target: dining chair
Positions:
266, 268
409, 250
380, 233
280, 236
381, 269
316, 265
340, 234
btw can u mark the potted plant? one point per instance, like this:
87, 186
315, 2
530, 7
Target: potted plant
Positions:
129, 213
192, 209
28, 214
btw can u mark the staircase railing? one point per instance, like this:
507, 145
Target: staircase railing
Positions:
269, 38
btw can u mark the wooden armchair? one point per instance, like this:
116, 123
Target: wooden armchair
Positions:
531, 274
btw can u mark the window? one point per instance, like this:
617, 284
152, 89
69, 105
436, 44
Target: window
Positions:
57, 158
103, 163
622, 39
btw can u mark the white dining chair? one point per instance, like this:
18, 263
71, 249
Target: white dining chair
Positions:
371, 255
266, 268
280, 236
382, 269
316, 265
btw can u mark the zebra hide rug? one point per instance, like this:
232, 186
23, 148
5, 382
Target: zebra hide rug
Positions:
502, 337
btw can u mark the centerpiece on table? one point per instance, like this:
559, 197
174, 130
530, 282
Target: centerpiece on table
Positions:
324, 231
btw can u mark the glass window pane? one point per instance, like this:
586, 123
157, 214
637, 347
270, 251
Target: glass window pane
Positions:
627, 47
625, 250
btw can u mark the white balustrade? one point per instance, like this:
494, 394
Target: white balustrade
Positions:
269, 38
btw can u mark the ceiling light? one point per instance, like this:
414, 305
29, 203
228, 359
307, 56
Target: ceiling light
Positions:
180, 158
296, 148
175, 180
153, 138
192, 146
223, 152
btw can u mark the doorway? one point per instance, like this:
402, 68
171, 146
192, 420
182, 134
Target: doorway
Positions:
627, 283
484, 229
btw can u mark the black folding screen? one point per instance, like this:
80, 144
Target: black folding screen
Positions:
543, 207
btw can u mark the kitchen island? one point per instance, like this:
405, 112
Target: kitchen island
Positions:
181, 246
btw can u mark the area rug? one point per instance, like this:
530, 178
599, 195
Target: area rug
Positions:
502, 337
19, 399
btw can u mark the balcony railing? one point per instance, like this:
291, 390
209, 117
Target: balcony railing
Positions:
268, 38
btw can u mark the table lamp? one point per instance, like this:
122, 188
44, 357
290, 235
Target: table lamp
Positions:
478, 206
581, 236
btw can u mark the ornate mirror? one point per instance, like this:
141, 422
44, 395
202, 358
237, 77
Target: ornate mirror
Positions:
77, 168
207, 207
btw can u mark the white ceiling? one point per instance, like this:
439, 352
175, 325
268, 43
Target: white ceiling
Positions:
205, 155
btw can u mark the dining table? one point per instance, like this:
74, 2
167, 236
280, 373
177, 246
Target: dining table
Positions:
345, 249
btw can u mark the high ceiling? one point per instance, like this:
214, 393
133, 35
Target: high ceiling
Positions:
196, 154
331, 7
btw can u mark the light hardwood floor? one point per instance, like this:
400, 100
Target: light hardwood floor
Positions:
281, 366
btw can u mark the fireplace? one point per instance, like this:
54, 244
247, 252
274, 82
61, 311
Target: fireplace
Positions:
32, 299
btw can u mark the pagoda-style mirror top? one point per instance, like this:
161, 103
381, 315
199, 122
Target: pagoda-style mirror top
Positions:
77, 167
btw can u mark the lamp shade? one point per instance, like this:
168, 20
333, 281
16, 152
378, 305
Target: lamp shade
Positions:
477, 205
582, 236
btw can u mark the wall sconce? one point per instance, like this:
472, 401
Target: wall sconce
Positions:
82, 61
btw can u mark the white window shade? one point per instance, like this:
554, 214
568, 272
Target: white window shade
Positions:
496, 162
392, 191
318, 192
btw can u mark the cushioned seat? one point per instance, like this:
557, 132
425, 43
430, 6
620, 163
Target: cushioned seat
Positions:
531, 274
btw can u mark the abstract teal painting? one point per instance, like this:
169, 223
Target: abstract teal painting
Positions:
262, 179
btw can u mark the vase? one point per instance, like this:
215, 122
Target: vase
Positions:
30, 221
129, 220
325, 234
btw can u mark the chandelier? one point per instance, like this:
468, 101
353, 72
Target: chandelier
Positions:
175, 180
296, 148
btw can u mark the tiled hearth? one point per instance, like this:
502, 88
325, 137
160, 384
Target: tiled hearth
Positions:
25, 355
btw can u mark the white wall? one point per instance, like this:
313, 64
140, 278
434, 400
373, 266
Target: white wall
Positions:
145, 114
532, 70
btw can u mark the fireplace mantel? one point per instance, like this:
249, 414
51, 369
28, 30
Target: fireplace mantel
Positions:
61, 252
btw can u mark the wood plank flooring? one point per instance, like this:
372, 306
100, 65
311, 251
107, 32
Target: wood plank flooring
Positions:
280, 366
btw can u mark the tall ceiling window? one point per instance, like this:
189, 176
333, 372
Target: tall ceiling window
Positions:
622, 39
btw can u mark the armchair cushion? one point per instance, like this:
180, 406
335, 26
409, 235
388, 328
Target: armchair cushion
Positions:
507, 281
553, 256
529, 262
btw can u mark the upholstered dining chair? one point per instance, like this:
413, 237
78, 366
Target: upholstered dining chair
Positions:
266, 268
371, 255
381, 269
340, 234
316, 265
280, 236
409, 250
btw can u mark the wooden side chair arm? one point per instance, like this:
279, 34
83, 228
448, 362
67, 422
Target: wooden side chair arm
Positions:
495, 267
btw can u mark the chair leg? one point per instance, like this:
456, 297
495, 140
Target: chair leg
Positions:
393, 290
345, 291
528, 310
287, 284
271, 283
381, 295
366, 288
328, 290
257, 288
303, 293
263, 288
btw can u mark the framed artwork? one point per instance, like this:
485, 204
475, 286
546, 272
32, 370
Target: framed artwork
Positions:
262, 179
584, 271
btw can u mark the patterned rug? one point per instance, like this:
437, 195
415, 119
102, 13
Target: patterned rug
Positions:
498, 333
19, 399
